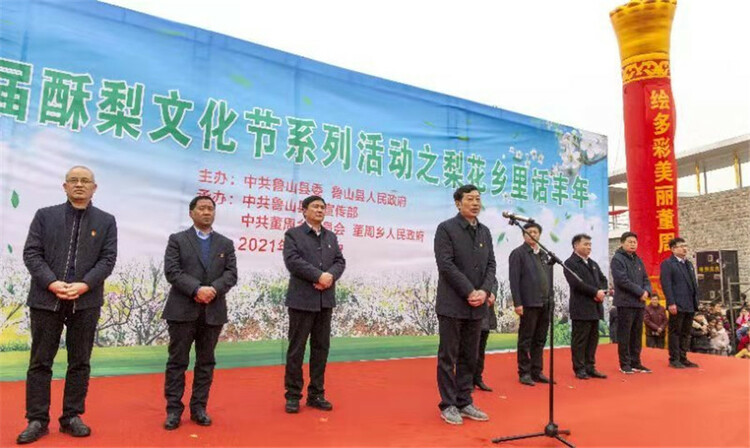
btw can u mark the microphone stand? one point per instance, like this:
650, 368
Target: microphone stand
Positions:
551, 430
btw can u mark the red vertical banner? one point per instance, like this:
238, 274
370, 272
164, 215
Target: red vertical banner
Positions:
651, 167
660, 113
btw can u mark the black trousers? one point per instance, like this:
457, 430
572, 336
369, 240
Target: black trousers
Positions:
532, 335
680, 325
46, 329
629, 336
181, 338
483, 336
317, 326
655, 341
457, 360
584, 340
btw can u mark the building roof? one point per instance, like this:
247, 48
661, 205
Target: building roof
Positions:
710, 157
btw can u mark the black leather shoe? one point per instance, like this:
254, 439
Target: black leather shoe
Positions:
687, 363
172, 422
582, 375
481, 386
319, 403
33, 432
541, 379
292, 406
200, 417
75, 427
676, 365
526, 380
596, 374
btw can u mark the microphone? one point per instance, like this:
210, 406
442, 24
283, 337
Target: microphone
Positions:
513, 216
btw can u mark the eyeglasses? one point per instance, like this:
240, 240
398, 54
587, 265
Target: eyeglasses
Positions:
75, 180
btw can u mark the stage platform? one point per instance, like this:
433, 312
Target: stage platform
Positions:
394, 403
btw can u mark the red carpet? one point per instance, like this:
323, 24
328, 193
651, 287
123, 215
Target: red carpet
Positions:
394, 403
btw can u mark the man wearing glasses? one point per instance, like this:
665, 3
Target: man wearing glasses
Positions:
681, 290
70, 250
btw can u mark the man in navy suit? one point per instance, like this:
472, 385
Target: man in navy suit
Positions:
681, 289
200, 265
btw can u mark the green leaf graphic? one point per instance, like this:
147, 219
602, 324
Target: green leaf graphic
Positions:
169, 32
240, 80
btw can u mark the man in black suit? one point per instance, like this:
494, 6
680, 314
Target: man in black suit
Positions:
465, 260
201, 266
315, 263
632, 290
530, 276
70, 250
586, 310
681, 290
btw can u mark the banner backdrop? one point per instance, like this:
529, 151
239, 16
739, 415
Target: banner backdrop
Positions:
162, 112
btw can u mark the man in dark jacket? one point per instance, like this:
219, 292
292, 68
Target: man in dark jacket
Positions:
201, 266
681, 290
632, 290
586, 310
465, 260
655, 320
70, 250
489, 323
315, 263
530, 276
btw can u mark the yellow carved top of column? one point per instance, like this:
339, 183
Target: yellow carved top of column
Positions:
652, 68
643, 28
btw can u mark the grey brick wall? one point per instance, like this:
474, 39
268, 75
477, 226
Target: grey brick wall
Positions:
715, 221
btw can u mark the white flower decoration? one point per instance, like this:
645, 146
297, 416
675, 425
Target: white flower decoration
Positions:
594, 147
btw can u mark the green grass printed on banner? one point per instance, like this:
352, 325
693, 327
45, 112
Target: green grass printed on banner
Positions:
111, 361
